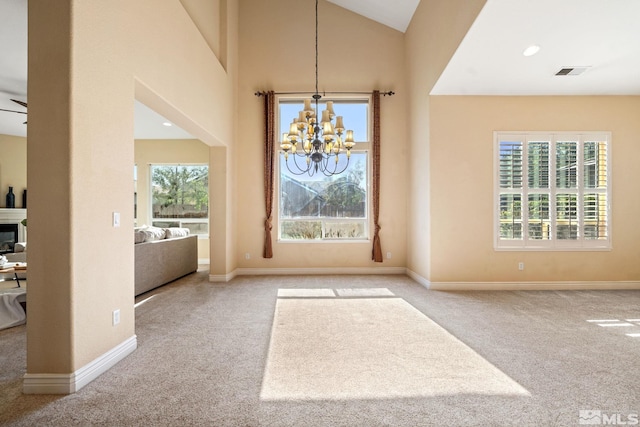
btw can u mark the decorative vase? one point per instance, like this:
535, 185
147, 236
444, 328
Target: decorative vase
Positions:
11, 198
24, 199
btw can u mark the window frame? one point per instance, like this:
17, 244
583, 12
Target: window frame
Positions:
553, 243
181, 221
362, 147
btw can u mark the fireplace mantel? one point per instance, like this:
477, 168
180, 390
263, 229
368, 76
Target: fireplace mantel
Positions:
15, 216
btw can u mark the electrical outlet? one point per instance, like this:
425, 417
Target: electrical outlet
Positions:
521, 266
247, 256
116, 219
388, 255
116, 317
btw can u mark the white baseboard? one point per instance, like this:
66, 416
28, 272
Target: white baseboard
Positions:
318, 271
531, 286
418, 278
70, 383
439, 286
203, 261
222, 277
305, 272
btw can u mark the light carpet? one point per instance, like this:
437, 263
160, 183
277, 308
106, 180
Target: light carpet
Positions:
370, 348
214, 355
11, 311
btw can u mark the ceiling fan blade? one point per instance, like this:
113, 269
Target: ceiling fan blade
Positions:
24, 104
13, 111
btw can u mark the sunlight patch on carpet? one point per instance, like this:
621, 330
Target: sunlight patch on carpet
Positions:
365, 292
305, 293
364, 348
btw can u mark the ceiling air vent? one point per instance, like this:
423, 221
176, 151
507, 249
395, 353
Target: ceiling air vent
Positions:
571, 71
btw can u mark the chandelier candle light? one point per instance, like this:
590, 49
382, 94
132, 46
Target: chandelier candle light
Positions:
319, 143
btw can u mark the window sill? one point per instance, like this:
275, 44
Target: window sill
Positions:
551, 249
324, 241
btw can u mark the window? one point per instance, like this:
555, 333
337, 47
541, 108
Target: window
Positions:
321, 208
552, 191
180, 197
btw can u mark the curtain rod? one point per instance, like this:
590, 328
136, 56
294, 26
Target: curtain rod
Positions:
262, 93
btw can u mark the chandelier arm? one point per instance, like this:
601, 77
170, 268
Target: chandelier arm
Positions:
294, 172
301, 171
345, 166
310, 168
325, 165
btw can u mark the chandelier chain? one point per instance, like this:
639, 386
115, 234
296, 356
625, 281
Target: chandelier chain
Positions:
316, 51
320, 140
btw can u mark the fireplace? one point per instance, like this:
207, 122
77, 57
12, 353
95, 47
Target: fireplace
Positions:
8, 237
11, 228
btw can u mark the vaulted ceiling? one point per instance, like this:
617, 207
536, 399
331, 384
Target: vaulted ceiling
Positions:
599, 37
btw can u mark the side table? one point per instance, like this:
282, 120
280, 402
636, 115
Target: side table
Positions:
14, 268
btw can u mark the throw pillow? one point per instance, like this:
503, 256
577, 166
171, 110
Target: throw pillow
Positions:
176, 232
139, 236
153, 233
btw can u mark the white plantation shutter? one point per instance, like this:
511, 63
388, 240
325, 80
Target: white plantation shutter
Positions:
511, 179
538, 164
538, 197
563, 201
539, 221
566, 216
510, 164
595, 211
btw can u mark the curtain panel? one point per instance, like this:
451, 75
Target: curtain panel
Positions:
269, 154
376, 253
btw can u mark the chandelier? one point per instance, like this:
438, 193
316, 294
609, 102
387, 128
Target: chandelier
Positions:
317, 147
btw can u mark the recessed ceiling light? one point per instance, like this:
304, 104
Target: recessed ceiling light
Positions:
167, 124
531, 50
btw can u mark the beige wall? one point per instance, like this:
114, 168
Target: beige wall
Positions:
436, 30
355, 54
462, 200
13, 167
208, 17
88, 60
81, 156
153, 151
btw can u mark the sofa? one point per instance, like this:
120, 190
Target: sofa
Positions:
19, 253
163, 255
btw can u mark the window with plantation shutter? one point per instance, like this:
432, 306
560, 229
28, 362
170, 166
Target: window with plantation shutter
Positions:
552, 191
